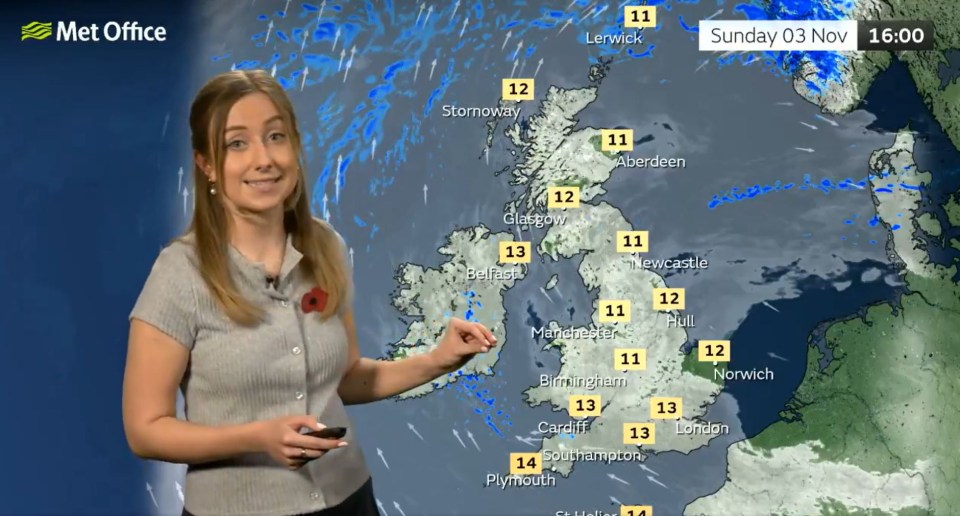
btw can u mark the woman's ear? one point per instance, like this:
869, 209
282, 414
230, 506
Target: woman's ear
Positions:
204, 166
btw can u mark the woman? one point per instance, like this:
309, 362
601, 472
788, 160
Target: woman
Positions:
249, 313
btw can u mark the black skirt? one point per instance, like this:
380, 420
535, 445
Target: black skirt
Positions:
360, 503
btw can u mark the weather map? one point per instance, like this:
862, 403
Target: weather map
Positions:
721, 261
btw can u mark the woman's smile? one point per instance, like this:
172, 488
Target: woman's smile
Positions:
264, 185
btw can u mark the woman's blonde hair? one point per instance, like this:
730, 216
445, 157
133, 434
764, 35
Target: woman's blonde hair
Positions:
323, 254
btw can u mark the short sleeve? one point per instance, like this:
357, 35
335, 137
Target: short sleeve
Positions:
168, 299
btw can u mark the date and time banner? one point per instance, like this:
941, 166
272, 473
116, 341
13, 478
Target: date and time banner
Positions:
813, 35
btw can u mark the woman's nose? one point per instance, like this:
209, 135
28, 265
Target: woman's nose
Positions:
261, 156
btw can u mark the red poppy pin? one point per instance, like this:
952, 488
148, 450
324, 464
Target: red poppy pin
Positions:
314, 301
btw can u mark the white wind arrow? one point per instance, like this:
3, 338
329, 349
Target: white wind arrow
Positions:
474, 441
154, 498
419, 14
457, 435
353, 51
618, 479
455, 7
414, 430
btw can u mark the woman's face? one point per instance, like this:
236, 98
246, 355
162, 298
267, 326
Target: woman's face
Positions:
260, 166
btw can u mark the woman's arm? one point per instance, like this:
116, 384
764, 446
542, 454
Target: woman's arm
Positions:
155, 366
368, 380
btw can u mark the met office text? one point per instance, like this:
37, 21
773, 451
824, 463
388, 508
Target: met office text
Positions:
111, 31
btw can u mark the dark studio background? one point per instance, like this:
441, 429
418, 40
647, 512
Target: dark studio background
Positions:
81, 221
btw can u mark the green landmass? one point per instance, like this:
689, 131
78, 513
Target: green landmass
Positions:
952, 208
836, 508
890, 398
924, 65
595, 141
691, 365
579, 182
929, 224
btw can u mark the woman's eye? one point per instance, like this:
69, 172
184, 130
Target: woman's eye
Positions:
235, 144
278, 136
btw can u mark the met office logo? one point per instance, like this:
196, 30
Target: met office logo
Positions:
112, 31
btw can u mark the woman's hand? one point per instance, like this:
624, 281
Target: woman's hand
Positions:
460, 342
281, 439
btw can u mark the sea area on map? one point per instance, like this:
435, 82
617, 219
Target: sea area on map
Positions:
785, 325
